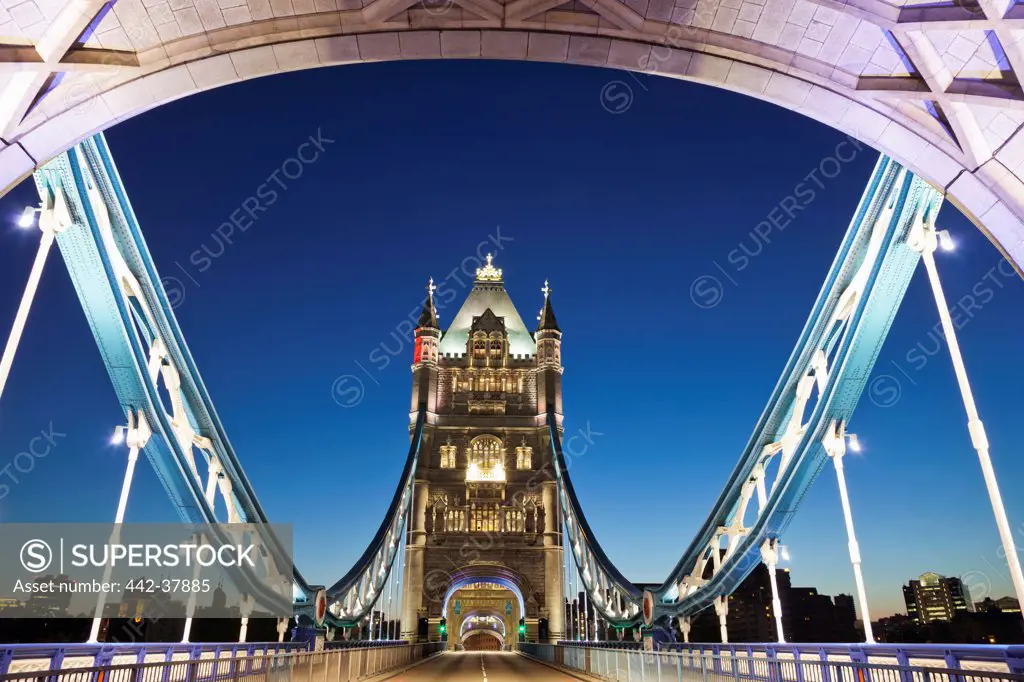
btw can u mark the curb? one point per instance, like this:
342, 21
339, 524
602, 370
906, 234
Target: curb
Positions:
565, 671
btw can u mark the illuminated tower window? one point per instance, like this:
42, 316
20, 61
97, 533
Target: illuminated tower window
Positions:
479, 345
486, 459
448, 452
497, 345
524, 456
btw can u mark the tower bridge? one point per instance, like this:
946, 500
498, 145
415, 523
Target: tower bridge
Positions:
485, 545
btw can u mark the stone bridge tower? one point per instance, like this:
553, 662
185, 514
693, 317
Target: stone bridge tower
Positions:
486, 512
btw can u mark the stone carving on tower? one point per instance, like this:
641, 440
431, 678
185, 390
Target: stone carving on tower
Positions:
486, 509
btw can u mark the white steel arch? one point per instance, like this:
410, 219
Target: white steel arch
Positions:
934, 86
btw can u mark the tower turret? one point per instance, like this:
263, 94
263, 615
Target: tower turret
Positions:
549, 357
425, 354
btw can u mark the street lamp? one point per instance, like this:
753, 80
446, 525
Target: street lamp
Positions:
853, 442
946, 242
835, 443
53, 217
924, 239
28, 216
136, 433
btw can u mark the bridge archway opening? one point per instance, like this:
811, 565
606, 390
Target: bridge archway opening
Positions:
479, 620
483, 640
467, 580
483, 604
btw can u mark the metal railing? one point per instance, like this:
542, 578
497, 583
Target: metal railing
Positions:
341, 665
624, 665
16, 658
997, 657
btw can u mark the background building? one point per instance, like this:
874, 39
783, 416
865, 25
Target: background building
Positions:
1001, 605
807, 616
933, 597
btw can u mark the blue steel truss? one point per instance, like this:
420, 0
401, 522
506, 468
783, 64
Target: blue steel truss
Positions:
155, 376
812, 402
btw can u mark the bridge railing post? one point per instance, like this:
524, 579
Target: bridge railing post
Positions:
771, 665
859, 668
798, 663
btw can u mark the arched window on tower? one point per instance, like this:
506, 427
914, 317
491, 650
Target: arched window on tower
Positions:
448, 452
496, 346
524, 456
480, 345
486, 459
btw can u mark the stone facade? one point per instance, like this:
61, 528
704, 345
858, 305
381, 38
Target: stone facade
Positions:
485, 496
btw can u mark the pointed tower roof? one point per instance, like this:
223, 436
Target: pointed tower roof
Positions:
428, 317
488, 293
546, 319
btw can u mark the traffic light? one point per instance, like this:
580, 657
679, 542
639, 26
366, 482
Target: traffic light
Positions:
522, 629
443, 629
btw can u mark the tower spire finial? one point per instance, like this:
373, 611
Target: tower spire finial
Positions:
428, 317
488, 273
547, 313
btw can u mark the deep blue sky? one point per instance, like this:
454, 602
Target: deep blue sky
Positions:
621, 211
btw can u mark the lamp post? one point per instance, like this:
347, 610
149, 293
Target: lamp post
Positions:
770, 551
924, 239
835, 443
136, 434
53, 217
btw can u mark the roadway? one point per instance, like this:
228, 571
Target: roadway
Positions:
491, 666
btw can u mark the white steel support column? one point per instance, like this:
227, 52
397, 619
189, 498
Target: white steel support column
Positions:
380, 604
835, 448
584, 614
924, 239
722, 609
213, 473
386, 634
400, 576
245, 609
567, 588
52, 219
684, 627
282, 627
770, 556
370, 616
575, 600
137, 437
